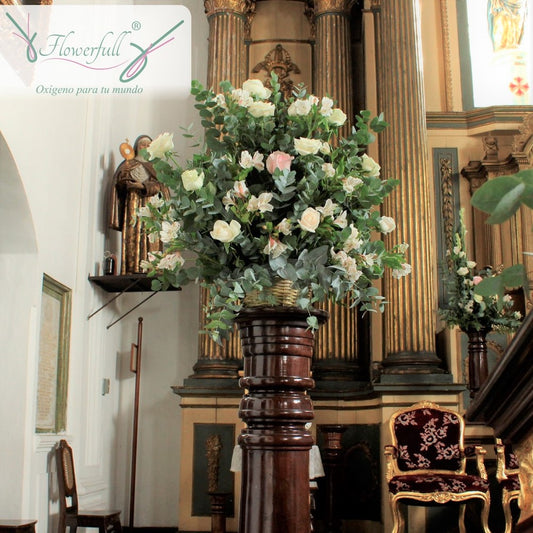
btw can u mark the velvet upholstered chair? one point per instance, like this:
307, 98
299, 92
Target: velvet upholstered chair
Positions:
507, 476
69, 514
426, 463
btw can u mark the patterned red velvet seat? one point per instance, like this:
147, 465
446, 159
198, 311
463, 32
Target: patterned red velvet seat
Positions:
426, 463
507, 476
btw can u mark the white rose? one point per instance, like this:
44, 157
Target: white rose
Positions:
353, 242
144, 211
220, 100
337, 117
309, 220
242, 97
462, 271
350, 183
192, 181
256, 88
156, 201
325, 148
224, 232
240, 189
305, 146
400, 272
299, 107
261, 203
370, 167
246, 159
326, 106
284, 227
169, 261
161, 145
274, 248
387, 224
228, 200
341, 220
169, 231
471, 264
261, 109
329, 170
328, 210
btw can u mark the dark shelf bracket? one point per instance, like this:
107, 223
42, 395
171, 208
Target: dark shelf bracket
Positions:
122, 284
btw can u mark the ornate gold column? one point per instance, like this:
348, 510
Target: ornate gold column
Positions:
227, 32
332, 74
409, 322
341, 341
228, 28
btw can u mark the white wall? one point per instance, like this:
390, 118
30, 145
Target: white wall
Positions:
66, 151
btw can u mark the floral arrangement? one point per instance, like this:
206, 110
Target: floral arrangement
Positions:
273, 193
466, 307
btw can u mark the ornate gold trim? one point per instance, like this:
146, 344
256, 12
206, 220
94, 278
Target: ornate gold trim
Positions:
448, 80
279, 60
333, 6
523, 143
240, 7
447, 208
442, 497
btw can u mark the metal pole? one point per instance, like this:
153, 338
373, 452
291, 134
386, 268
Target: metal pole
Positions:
135, 367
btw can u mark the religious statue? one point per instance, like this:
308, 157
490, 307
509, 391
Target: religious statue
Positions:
134, 183
506, 23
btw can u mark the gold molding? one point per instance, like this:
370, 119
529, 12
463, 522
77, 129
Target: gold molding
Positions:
523, 142
279, 60
333, 6
448, 80
240, 7
447, 209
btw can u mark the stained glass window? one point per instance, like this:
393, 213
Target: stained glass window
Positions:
500, 33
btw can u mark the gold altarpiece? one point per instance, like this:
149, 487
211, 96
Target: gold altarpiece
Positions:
506, 244
311, 42
288, 38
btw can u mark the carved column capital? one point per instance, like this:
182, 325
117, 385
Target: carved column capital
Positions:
223, 6
333, 6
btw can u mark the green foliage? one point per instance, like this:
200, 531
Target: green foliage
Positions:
502, 196
273, 193
476, 298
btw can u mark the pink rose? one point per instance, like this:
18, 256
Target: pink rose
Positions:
477, 279
279, 160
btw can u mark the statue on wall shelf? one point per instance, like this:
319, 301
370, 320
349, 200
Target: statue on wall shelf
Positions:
134, 183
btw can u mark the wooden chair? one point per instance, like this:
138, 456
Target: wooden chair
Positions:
426, 463
507, 476
69, 514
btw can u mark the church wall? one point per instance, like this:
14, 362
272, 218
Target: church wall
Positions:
66, 151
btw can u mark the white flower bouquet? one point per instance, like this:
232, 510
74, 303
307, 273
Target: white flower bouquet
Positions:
467, 307
274, 193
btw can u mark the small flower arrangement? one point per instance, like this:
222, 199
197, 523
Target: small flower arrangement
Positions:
467, 308
274, 193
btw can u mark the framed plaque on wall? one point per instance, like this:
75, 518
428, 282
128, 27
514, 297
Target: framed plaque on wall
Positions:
54, 342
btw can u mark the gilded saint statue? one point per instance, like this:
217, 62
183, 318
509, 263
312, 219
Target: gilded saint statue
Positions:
134, 183
506, 23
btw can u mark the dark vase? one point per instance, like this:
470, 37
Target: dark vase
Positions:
478, 369
277, 350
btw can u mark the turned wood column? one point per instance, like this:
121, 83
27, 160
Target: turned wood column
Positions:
277, 348
409, 321
332, 459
